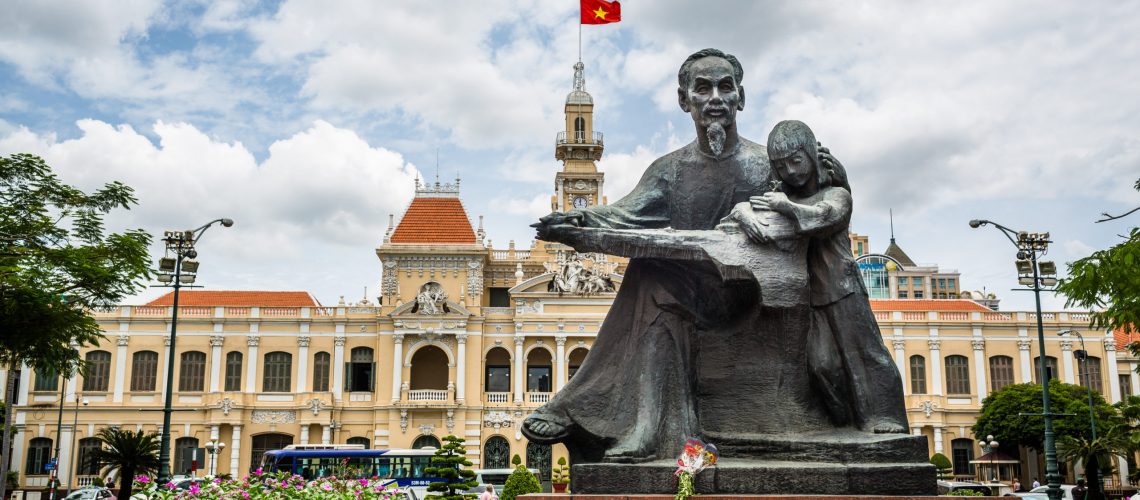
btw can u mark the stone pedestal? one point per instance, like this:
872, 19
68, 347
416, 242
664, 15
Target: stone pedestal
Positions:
836, 463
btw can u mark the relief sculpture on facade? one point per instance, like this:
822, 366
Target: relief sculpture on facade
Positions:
580, 274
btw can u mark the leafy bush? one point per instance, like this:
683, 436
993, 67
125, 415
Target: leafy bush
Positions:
965, 493
447, 464
560, 474
516, 460
945, 468
520, 482
259, 486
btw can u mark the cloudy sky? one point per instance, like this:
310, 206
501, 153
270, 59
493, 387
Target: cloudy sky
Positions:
307, 121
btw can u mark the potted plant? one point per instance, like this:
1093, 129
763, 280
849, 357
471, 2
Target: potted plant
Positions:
560, 476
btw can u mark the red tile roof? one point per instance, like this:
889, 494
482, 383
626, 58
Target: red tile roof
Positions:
1125, 336
237, 298
435, 220
927, 305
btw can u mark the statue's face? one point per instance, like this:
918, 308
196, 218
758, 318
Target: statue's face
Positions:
712, 94
796, 170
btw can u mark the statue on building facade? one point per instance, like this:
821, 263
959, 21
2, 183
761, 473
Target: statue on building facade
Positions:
733, 320
431, 300
572, 275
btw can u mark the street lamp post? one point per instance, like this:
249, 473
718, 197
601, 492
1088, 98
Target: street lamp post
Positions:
1082, 356
1034, 274
74, 436
176, 271
213, 448
989, 445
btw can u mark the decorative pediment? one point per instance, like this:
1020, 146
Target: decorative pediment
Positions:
545, 284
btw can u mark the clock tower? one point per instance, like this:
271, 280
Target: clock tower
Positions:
579, 183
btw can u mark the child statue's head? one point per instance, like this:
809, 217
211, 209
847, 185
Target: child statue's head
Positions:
794, 155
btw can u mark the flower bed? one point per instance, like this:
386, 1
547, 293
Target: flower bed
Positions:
258, 486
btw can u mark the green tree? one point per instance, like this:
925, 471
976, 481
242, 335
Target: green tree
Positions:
56, 263
447, 464
1096, 454
1002, 414
1107, 283
944, 466
132, 453
520, 482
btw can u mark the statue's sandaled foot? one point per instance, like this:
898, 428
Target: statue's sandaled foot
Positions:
886, 426
545, 428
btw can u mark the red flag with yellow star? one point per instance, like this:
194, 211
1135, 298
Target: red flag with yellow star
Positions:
600, 12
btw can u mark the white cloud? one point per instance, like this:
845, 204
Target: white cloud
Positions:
533, 207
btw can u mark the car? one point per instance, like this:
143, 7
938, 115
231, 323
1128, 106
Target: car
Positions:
90, 493
947, 487
1066, 490
185, 483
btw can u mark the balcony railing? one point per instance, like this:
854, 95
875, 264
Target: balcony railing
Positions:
510, 254
498, 397
538, 397
579, 138
427, 395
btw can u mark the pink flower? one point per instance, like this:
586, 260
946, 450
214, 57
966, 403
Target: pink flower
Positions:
142, 479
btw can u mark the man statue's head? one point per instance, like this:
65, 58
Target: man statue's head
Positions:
708, 88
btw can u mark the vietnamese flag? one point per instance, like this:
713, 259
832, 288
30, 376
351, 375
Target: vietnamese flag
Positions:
600, 12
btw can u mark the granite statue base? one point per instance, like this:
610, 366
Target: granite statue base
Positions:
850, 464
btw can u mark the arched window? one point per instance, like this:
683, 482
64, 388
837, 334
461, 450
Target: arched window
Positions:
46, 380
957, 375
579, 129
98, 371
185, 450
538, 371
497, 453
1050, 368
86, 466
39, 453
321, 364
429, 369
359, 370
278, 372
263, 443
192, 372
1093, 367
962, 450
1001, 372
917, 374
233, 371
363, 441
425, 441
144, 370
498, 376
538, 457
577, 357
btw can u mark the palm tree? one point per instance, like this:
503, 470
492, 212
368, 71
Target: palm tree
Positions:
130, 452
1096, 454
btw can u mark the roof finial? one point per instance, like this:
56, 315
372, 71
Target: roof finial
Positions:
579, 76
437, 167
891, 211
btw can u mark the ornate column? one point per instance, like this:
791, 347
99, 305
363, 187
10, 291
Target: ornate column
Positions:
235, 449
520, 368
980, 366
1023, 346
1113, 373
304, 433
251, 362
935, 369
338, 366
164, 357
121, 362
900, 359
326, 434
213, 465
22, 398
938, 439
216, 362
302, 363
461, 368
397, 365
559, 362
1067, 360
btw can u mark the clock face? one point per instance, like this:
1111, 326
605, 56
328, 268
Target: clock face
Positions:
580, 202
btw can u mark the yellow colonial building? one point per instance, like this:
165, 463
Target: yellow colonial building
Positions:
466, 339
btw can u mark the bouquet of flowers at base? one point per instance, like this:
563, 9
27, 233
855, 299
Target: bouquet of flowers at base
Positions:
695, 457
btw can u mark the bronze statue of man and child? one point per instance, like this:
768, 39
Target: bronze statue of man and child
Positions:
742, 320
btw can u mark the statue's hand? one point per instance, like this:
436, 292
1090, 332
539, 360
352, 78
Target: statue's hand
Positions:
829, 161
545, 225
750, 223
772, 200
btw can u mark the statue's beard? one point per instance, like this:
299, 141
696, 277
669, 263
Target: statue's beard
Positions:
716, 137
